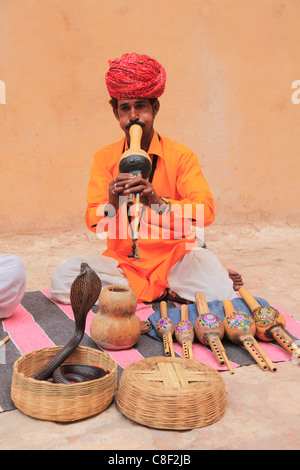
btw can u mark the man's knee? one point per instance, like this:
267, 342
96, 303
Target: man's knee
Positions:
12, 283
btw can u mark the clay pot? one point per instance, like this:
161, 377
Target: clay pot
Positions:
116, 326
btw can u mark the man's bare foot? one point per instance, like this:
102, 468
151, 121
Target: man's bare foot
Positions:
236, 279
145, 326
173, 297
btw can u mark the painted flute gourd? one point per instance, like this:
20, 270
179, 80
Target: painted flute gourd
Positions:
209, 329
270, 323
240, 329
184, 332
137, 162
165, 330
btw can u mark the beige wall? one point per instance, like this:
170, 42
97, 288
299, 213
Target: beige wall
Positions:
230, 68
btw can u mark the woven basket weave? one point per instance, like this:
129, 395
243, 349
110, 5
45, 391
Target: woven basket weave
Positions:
172, 393
60, 402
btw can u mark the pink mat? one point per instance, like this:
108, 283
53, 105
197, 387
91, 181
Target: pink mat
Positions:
40, 322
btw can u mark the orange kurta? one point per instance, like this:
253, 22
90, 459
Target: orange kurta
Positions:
178, 176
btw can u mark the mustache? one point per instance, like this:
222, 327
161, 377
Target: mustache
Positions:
139, 123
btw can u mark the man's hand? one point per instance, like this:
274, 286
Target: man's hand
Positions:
116, 188
126, 183
137, 184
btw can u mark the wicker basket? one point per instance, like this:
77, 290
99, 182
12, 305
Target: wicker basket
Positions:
172, 393
60, 402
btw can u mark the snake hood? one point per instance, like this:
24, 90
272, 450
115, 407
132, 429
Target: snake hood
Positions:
84, 293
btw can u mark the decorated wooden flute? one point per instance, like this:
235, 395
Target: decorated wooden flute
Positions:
137, 162
184, 333
240, 329
165, 329
4, 341
209, 329
270, 323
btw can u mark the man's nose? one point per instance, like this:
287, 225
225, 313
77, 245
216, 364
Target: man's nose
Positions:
133, 115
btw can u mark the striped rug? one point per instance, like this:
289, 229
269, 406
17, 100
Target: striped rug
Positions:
40, 322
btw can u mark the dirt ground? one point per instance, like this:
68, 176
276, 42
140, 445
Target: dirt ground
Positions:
263, 410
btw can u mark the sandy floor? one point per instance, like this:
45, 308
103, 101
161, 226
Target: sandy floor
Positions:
263, 410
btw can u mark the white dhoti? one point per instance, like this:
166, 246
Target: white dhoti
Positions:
198, 270
12, 284
65, 273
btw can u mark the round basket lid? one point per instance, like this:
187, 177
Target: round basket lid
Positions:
171, 393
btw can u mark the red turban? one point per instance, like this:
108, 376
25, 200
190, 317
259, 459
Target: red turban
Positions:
135, 76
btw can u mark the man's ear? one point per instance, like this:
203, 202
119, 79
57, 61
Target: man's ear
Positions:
115, 111
155, 107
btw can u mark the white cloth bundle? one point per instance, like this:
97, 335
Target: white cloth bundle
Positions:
12, 284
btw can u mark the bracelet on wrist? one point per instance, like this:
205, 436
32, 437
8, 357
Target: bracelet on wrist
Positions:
167, 206
108, 212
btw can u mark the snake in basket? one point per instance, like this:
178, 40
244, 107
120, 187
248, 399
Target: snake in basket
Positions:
84, 293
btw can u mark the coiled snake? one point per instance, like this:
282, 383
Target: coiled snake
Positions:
84, 293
